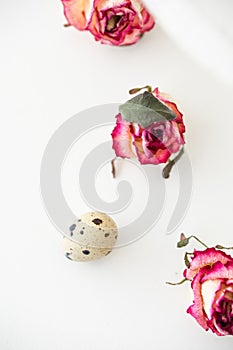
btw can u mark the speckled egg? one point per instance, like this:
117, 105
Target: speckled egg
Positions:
77, 252
92, 236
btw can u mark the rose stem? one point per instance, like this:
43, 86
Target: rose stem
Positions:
177, 283
113, 167
167, 169
200, 241
135, 90
66, 25
197, 239
185, 240
218, 246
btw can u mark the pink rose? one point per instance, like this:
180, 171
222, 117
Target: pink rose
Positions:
211, 273
114, 22
154, 144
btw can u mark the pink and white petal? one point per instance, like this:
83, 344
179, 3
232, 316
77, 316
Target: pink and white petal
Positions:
229, 284
143, 159
122, 139
220, 270
203, 258
172, 138
78, 12
127, 37
174, 108
110, 4
94, 25
123, 40
123, 149
161, 156
220, 296
215, 328
144, 144
137, 6
168, 100
162, 96
208, 291
136, 130
131, 37
148, 21
212, 324
175, 147
196, 310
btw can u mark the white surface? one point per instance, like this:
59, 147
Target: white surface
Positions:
203, 28
49, 73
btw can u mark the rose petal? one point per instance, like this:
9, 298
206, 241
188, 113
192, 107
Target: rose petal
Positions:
168, 100
131, 38
147, 20
122, 139
137, 5
203, 258
221, 321
210, 287
109, 4
208, 291
218, 270
161, 155
78, 12
200, 306
197, 310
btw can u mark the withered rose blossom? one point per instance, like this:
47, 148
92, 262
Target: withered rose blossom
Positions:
211, 273
154, 144
114, 22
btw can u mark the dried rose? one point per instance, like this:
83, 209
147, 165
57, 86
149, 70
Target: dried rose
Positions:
149, 127
114, 22
211, 273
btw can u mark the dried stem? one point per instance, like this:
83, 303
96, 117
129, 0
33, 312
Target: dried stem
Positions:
177, 283
167, 169
113, 167
185, 240
218, 246
197, 239
135, 90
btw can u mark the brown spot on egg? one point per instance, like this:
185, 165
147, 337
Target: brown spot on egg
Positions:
97, 221
86, 252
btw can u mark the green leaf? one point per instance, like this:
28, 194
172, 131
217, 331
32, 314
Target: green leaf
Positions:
145, 109
183, 243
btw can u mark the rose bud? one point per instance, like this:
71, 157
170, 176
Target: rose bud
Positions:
211, 273
114, 22
149, 127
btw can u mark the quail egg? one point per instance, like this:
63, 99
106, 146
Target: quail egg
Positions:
92, 236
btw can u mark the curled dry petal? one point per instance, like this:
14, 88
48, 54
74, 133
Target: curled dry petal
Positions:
123, 139
78, 12
205, 258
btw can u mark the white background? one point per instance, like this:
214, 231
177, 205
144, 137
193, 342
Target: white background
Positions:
49, 73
